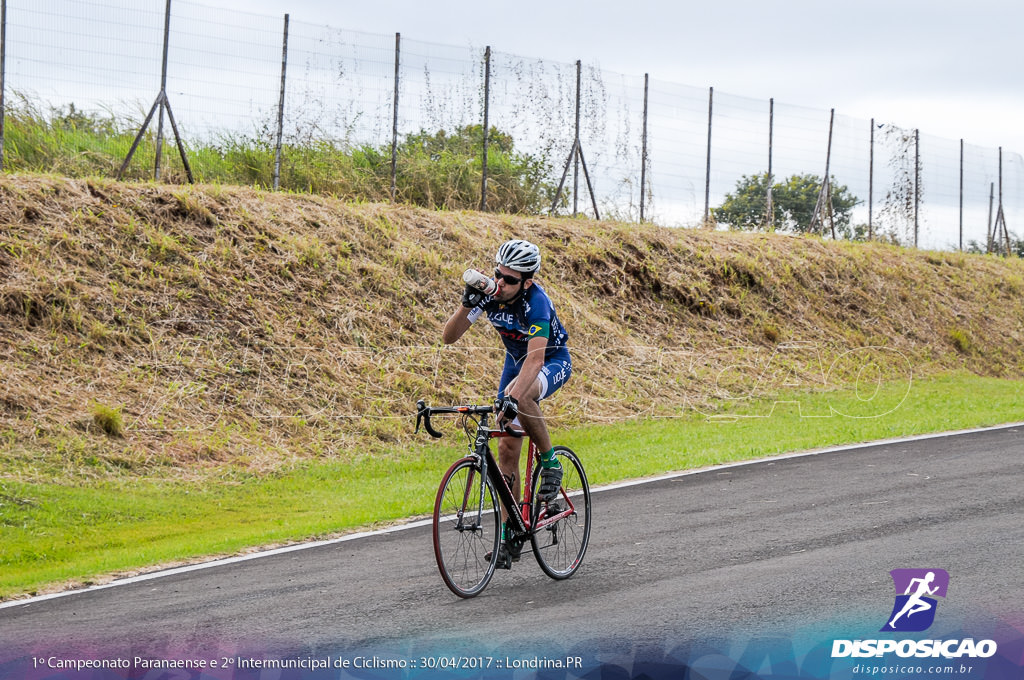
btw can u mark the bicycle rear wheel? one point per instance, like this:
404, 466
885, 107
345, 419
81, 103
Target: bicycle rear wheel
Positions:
562, 525
466, 528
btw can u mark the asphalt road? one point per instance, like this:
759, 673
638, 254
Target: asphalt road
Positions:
793, 544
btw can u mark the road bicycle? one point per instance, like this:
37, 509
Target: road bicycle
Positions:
467, 510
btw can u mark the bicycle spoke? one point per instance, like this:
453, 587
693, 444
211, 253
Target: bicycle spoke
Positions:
464, 531
563, 525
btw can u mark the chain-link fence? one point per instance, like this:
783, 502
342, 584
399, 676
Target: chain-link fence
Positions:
641, 149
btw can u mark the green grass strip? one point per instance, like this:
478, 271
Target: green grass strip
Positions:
57, 534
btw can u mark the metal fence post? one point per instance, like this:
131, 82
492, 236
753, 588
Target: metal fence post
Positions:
163, 88
487, 107
3, 75
824, 203
988, 226
871, 178
917, 180
643, 155
961, 195
394, 121
827, 185
576, 158
161, 102
771, 177
280, 108
1000, 229
707, 173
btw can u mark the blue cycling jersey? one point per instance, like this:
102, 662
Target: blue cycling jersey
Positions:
530, 315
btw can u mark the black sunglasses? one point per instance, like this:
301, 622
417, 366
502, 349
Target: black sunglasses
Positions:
509, 279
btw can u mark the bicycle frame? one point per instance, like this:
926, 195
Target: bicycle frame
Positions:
474, 496
517, 512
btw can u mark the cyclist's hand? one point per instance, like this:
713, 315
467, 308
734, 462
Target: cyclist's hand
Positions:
471, 297
508, 409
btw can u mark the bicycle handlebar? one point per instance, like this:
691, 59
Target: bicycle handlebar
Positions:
423, 413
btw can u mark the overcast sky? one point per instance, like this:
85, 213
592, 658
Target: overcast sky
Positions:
951, 69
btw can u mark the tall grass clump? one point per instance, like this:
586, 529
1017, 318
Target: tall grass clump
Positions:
108, 419
961, 341
434, 169
64, 141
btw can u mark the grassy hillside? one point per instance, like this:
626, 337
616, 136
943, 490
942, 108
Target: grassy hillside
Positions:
160, 331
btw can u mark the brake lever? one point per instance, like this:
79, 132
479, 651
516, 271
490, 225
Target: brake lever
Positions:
420, 405
423, 415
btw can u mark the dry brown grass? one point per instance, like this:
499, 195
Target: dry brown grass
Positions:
238, 329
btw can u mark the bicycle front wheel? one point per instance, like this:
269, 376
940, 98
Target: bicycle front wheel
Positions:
467, 528
562, 525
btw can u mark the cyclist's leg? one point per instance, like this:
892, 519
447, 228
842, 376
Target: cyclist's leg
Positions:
509, 452
509, 448
532, 419
553, 375
556, 372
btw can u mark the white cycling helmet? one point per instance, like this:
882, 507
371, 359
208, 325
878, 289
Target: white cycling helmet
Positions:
518, 255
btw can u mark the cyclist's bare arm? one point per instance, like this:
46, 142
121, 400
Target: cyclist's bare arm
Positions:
456, 325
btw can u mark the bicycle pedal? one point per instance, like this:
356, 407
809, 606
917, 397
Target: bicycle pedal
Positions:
505, 556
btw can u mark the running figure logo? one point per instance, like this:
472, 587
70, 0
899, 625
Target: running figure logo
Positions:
914, 610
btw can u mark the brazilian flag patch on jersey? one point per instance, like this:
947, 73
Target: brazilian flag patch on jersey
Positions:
539, 330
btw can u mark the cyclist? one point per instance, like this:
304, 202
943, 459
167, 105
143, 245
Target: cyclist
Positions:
537, 363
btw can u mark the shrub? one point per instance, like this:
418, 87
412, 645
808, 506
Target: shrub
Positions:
960, 340
108, 419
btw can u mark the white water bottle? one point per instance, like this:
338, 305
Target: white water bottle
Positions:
481, 282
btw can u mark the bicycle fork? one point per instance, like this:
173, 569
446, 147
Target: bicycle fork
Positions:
468, 520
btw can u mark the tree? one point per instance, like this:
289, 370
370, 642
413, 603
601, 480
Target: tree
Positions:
444, 170
793, 203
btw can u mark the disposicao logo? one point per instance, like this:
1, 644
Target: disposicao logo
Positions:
916, 590
914, 611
